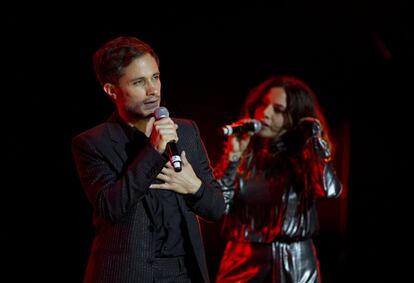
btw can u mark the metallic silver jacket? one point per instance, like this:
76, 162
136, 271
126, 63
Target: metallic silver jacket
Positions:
275, 199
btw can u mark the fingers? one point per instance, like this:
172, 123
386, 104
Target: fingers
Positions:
310, 126
163, 131
163, 186
308, 119
165, 123
168, 165
184, 159
182, 182
239, 143
167, 129
165, 178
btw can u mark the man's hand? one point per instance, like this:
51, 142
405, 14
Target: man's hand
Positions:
183, 182
163, 131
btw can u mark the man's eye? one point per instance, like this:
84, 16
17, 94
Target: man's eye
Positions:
139, 83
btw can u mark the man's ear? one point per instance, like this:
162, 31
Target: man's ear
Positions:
110, 90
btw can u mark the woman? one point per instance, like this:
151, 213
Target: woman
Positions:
271, 181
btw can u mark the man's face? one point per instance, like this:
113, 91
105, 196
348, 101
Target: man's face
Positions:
139, 88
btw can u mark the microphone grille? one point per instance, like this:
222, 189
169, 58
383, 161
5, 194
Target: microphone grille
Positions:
257, 125
161, 112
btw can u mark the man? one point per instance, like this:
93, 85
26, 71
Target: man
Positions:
144, 212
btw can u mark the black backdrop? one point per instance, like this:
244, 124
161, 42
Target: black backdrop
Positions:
356, 56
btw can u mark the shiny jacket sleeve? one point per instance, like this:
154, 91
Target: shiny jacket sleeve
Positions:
317, 157
225, 173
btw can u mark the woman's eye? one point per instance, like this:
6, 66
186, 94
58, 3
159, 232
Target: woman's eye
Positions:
278, 109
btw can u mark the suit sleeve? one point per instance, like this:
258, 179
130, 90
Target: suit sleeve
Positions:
111, 192
210, 205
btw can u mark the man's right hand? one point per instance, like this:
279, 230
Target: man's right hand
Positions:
163, 131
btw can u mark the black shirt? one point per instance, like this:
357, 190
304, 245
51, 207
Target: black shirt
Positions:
169, 222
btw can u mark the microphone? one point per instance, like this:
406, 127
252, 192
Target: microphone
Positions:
251, 125
172, 151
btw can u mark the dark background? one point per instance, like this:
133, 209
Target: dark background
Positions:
356, 55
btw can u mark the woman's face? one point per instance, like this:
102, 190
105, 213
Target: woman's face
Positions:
270, 112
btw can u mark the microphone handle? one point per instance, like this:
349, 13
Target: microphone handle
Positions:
174, 156
233, 130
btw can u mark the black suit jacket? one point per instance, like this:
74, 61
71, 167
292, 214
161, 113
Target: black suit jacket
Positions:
123, 246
